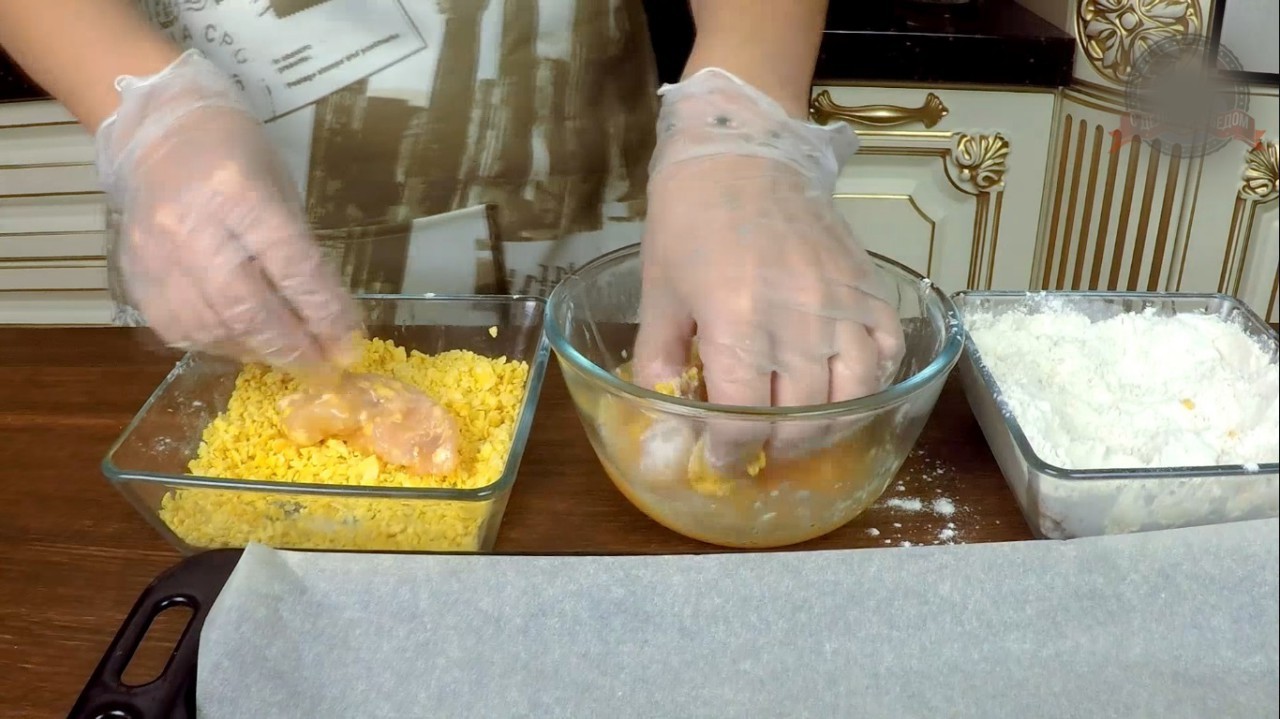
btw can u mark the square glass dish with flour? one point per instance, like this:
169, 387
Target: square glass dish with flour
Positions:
1116, 412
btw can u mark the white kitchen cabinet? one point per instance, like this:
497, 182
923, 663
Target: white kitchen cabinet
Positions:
55, 307
1129, 217
52, 220
1234, 225
1111, 35
1133, 218
948, 181
1113, 213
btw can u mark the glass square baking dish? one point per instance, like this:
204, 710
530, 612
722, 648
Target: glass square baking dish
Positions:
149, 462
1061, 503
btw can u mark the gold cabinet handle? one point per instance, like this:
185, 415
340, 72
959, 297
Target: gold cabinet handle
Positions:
823, 109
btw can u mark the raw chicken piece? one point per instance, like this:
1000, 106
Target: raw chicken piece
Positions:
376, 414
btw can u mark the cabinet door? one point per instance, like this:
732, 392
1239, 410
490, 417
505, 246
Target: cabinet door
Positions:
1113, 214
947, 181
1233, 242
1123, 215
52, 220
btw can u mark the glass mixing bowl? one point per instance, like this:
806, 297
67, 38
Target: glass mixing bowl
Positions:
649, 442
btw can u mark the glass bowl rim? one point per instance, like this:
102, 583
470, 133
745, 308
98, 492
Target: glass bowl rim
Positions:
511, 468
941, 364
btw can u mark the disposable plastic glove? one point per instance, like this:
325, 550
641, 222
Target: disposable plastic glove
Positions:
744, 247
214, 249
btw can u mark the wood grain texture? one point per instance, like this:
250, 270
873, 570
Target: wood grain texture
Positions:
74, 555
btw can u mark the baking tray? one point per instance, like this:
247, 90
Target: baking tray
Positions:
1060, 503
194, 583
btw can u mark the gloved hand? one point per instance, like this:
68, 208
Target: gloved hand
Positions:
214, 249
744, 247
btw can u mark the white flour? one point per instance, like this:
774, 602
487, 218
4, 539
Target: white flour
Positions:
921, 474
908, 505
1135, 390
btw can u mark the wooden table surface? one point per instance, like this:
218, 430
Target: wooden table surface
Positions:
74, 555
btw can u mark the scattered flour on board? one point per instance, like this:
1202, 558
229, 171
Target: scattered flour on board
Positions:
940, 506
920, 475
1135, 390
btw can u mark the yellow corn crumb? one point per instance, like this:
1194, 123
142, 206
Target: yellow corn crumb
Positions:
493, 331
709, 483
1188, 403
246, 442
704, 479
688, 385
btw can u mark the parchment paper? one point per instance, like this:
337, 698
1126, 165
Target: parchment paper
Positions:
1180, 623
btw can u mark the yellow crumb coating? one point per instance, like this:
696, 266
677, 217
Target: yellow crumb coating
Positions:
689, 384
702, 477
246, 442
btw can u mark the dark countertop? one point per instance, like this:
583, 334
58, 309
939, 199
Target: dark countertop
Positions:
14, 83
989, 42
985, 42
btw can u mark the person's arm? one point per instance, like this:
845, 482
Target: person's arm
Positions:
219, 257
75, 50
745, 257
768, 44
